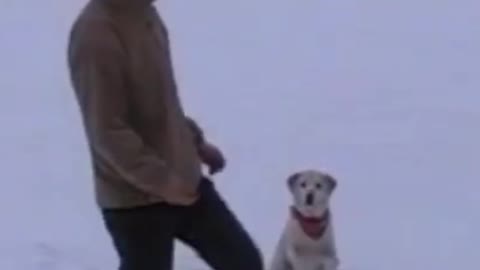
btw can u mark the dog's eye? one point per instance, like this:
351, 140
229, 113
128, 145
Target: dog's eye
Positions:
318, 186
303, 185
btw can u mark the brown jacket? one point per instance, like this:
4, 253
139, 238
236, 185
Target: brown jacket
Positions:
139, 138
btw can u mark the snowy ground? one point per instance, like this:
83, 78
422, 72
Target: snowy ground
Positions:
384, 94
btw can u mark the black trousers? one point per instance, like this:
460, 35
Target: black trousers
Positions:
144, 236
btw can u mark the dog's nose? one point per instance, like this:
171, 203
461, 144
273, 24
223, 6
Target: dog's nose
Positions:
309, 199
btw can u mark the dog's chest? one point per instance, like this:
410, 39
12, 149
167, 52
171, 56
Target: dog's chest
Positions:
304, 249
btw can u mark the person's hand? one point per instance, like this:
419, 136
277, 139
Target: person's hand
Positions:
212, 157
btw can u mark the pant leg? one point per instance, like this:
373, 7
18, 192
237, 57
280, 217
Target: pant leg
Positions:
144, 236
218, 237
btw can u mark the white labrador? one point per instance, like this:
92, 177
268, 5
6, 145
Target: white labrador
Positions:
307, 242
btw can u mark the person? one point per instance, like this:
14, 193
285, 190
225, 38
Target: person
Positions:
146, 153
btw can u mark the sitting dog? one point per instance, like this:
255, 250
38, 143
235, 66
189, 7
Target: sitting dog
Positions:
307, 242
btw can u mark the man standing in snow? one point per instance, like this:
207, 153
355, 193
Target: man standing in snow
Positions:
146, 153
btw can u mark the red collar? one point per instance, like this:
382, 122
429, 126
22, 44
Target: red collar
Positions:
314, 227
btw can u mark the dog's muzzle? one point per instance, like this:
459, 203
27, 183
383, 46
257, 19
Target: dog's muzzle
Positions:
309, 198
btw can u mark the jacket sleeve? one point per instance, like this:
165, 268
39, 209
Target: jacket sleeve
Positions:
197, 132
98, 75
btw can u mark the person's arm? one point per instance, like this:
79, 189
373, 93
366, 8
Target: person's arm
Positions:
209, 153
98, 75
198, 134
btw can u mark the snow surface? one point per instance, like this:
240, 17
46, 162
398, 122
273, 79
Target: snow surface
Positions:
383, 94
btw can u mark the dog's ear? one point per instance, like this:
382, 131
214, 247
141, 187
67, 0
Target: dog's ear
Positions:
292, 179
331, 182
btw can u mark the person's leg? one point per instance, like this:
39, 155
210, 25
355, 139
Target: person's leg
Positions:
218, 237
143, 236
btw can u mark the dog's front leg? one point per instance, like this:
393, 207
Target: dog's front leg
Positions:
280, 260
330, 263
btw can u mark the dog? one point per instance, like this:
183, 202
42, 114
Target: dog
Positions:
307, 242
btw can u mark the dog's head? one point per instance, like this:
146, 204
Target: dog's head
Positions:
311, 191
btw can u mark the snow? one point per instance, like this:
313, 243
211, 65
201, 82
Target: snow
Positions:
382, 94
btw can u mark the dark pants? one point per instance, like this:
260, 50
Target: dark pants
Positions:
144, 236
